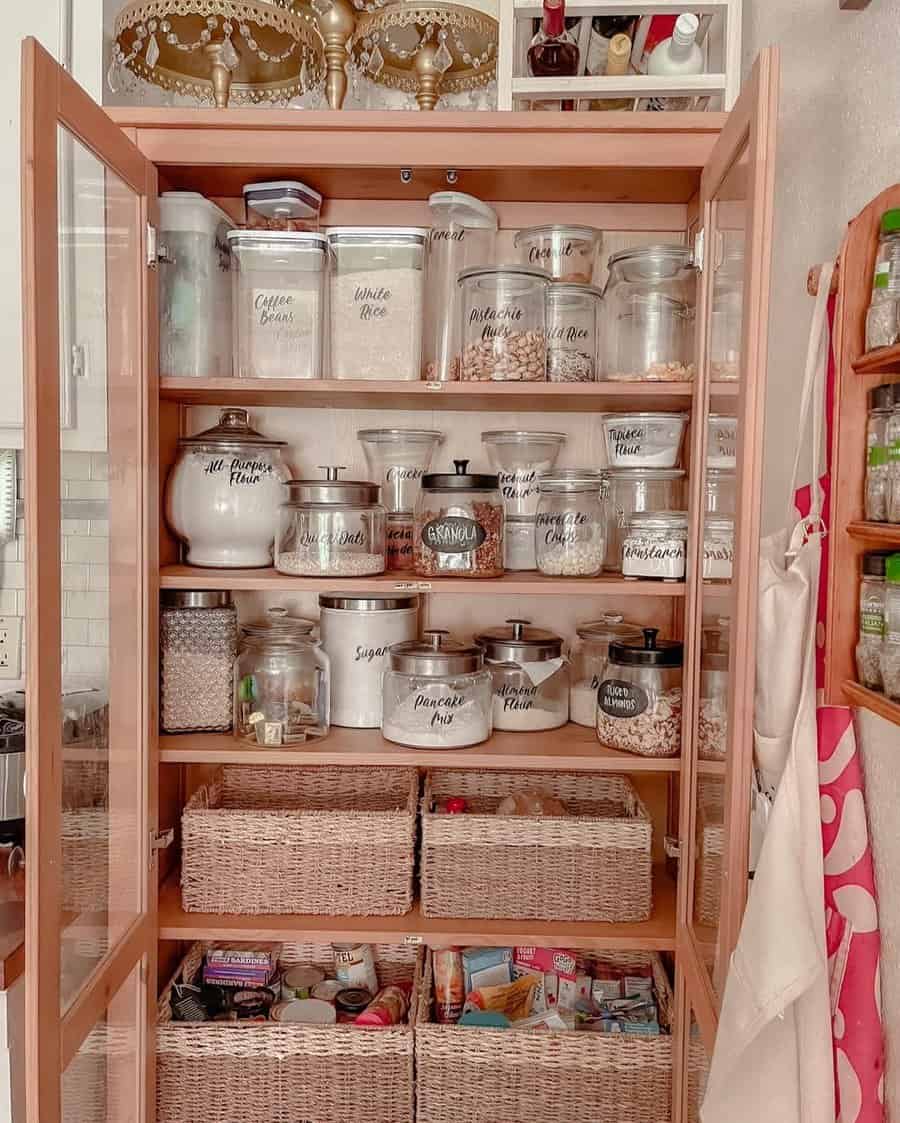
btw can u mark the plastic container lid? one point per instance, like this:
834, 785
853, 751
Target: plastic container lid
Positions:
189, 212
520, 643
551, 229
283, 198
460, 480
640, 417
652, 652
435, 655
277, 623
365, 235
890, 221
233, 431
463, 209
305, 240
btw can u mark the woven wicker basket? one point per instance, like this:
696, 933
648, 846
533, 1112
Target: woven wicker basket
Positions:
710, 853
329, 841
235, 1072
593, 865
527, 1076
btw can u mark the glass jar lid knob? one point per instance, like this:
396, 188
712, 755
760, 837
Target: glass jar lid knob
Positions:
435, 636
331, 470
650, 635
234, 418
518, 627
461, 467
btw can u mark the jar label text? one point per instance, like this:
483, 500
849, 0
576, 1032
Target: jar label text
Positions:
622, 699
453, 534
443, 708
242, 471
497, 322
519, 484
562, 528
516, 699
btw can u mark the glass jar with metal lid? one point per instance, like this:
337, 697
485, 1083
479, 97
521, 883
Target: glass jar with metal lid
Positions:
281, 682
573, 332
503, 326
718, 547
459, 524
712, 717
568, 253
197, 646
224, 491
436, 694
637, 489
331, 528
570, 525
648, 315
655, 546
589, 661
639, 701
530, 676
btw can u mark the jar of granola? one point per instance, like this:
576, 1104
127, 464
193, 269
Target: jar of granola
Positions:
459, 522
639, 701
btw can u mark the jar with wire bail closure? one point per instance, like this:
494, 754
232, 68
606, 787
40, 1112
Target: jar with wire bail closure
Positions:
530, 676
570, 526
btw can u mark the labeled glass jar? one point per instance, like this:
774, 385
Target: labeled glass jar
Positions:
397, 460
357, 631
890, 654
648, 315
223, 494
872, 608
518, 544
463, 234
589, 662
882, 320
634, 490
573, 332
503, 326
655, 546
331, 528
377, 296
643, 440
281, 682
639, 702
892, 436
436, 694
712, 716
197, 646
718, 548
279, 303
567, 253
399, 536
530, 676
721, 441
721, 492
878, 475
459, 524
520, 458
570, 525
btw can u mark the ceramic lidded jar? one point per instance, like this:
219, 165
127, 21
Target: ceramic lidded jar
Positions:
223, 494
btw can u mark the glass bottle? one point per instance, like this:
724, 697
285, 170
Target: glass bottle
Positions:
603, 30
872, 597
554, 51
882, 325
878, 487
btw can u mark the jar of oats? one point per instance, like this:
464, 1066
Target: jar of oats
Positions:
639, 701
503, 336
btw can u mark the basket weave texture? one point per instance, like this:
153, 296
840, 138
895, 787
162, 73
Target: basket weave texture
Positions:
527, 1076
594, 864
243, 1072
326, 841
710, 854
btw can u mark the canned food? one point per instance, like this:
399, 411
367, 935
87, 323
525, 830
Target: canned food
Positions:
355, 966
298, 982
307, 1011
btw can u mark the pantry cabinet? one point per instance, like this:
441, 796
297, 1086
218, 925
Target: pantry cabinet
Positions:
705, 180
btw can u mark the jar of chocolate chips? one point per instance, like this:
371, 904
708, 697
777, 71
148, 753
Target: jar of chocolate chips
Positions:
458, 529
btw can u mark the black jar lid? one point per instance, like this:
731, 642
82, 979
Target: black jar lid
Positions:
460, 480
352, 1000
652, 652
874, 564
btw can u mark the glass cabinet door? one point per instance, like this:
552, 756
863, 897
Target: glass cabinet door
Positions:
90, 944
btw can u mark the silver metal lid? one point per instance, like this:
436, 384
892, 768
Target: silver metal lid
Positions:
610, 626
520, 643
292, 239
435, 655
368, 602
331, 490
195, 598
571, 480
233, 431
278, 625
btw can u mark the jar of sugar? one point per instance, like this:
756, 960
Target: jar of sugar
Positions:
570, 526
530, 677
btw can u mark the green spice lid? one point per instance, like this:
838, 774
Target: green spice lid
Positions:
892, 569
890, 221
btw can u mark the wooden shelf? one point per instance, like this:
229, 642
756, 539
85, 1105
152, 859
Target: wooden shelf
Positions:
655, 934
571, 748
884, 360
522, 584
878, 534
871, 700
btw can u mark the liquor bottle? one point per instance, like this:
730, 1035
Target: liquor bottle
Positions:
617, 61
554, 51
603, 30
677, 56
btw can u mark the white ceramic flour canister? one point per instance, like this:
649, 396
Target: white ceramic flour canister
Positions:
223, 494
357, 631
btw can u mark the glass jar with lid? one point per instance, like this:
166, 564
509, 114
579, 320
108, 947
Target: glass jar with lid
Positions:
639, 702
718, 547
573, 332
436, 694
331, 528
890, 654
503, 325
397, 460
459, 524
197, 646
223, 494
570, 525
589, 661
655, 546
567, 253
518, 544
632, 490
882, 320
281, 682
712, 716
727, 316
721, 491
872, 607
530, 676
721, 441
648, 315
878, 486
399, 538
520, 457
463, 235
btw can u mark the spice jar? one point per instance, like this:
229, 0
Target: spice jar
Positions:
530, 677
890, 654
356, 632
639, 702
630, 490
458, 528
718, 548
331, 528
518, 544
223, 494
643, 440
712, 717
721, 441
721, 492
502, 332
436, 694
519, 458
567, 253
872, 608
892, 437
655, 546
197, 646
570, 526
573, 319
878, 482
589, 661
397, 460
882, 321
648, 315
399, 535
463, 234
281, 682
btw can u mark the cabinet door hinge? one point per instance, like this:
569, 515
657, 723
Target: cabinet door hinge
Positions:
156, 252
699, 242
160, 840
672, 847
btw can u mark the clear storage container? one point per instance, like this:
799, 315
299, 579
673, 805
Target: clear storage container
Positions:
570, 526
279, 287
567, 253
436, 694
721, 492
639, 702
197, 646
718, 548
503, 326
721, 441
573, 339
530, 676
648, 315
882, 321
282, 204
631, 490
643, 440
890, 654
397, 460
518, 543
589, 661
459, 524
727, 317
712, 716
463, 234
872, 605
281, 682
194, 287
377, 299
520, 458
399, 536
655, 546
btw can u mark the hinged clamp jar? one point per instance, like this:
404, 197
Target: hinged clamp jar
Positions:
570, 526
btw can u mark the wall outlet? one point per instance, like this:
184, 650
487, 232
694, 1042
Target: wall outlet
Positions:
10, 646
